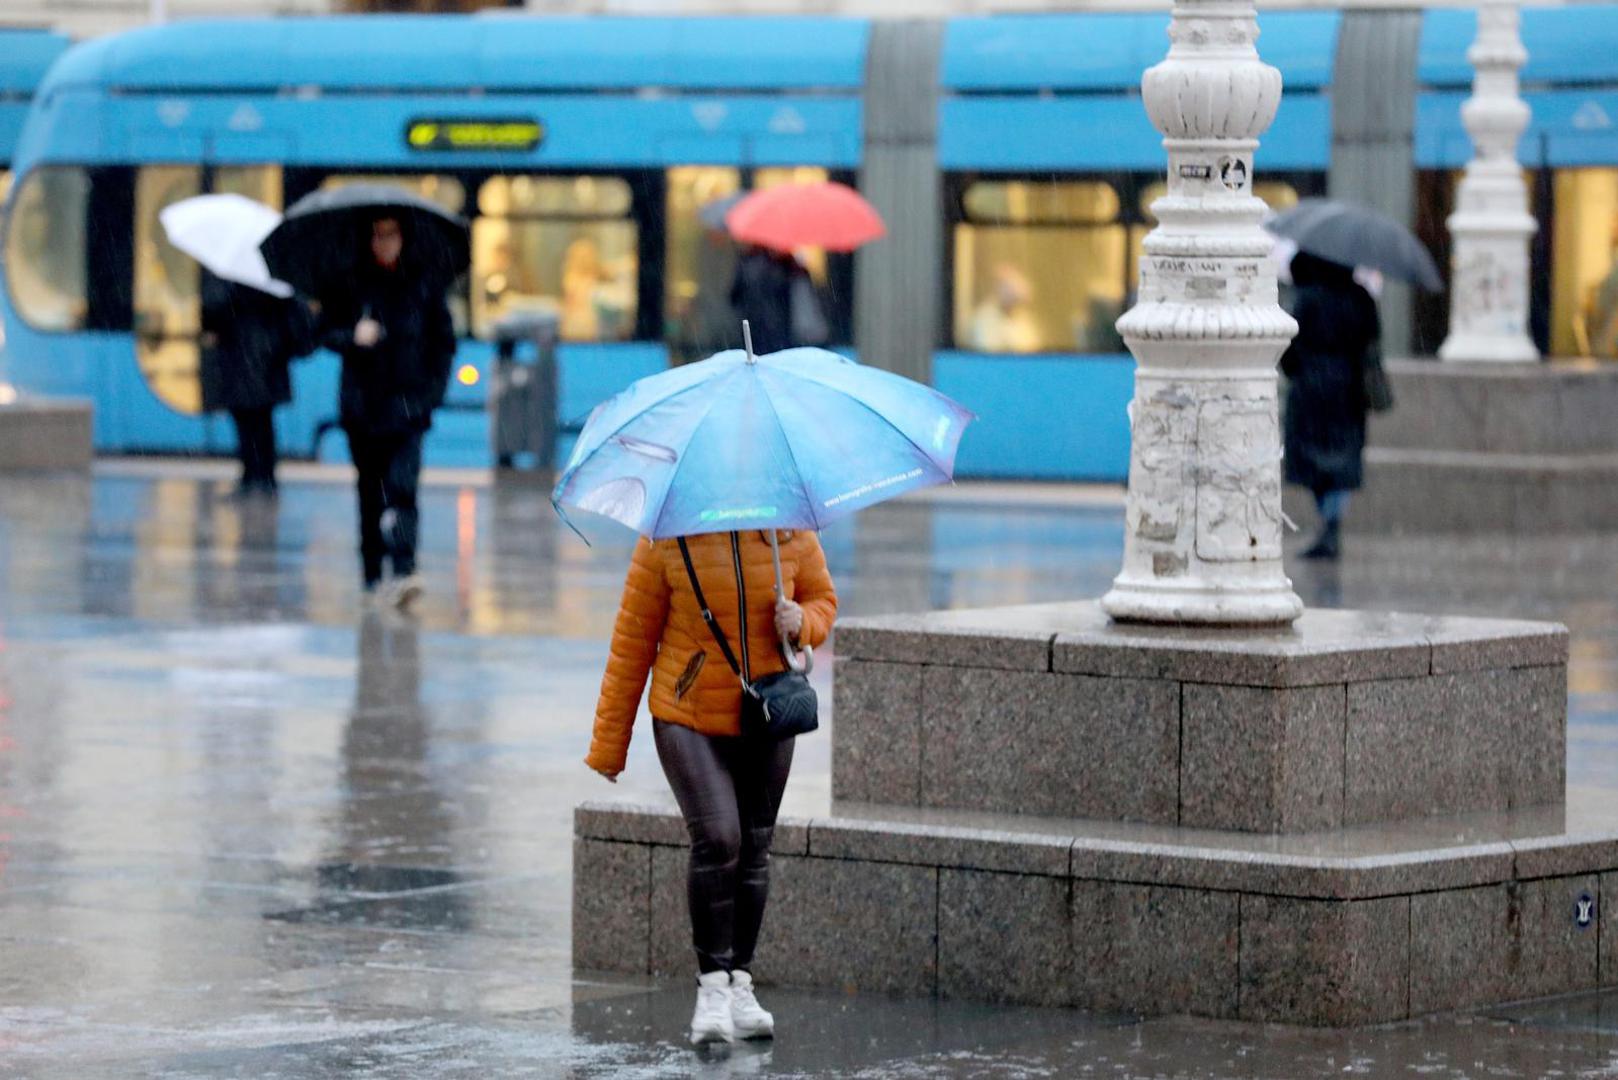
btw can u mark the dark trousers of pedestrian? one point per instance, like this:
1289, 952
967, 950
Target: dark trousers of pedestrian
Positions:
255, 446
389, 468
729, 789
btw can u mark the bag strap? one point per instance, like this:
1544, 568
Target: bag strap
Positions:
707, 615
741, 604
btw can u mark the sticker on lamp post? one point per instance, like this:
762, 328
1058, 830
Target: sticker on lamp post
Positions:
1584, 911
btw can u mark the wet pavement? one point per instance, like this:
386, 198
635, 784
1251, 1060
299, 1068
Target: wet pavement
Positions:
248, 830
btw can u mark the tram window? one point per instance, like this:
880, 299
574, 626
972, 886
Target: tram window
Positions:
582, 196
1039, 267
45, 249
446, 191
261, 183
565, 245
168, 305
700, 262
1584, 264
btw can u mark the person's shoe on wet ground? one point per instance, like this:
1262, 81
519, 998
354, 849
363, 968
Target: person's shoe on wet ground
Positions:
252, 490
748, 1017
711, 1021
1328, 545
402, 593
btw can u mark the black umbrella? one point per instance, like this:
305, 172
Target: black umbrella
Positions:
324, 236
1354, 236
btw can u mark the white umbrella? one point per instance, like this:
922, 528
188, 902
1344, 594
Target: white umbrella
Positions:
223, 232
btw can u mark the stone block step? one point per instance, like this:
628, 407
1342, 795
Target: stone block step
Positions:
1335, 928
44, 433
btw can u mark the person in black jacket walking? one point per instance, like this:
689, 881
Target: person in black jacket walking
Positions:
393, 329
1326, 403
249, 340
777, 297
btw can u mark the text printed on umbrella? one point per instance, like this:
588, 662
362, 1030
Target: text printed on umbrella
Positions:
742, 513
875, 485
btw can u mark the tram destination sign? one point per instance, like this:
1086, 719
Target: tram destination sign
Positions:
514, 134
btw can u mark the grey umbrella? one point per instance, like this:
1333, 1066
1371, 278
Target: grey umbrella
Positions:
712, 213
1355, 236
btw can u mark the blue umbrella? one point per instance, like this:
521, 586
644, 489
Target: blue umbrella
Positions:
793, 440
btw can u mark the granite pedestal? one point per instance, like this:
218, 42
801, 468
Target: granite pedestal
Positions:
1344, 718
1468, 448
51, 433
1357, 819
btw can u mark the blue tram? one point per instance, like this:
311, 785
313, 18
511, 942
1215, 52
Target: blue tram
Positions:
1010, 155
579, 149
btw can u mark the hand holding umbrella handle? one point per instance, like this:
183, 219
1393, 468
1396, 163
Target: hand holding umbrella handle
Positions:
804, 664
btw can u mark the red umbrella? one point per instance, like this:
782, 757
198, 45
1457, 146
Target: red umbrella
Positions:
789, 216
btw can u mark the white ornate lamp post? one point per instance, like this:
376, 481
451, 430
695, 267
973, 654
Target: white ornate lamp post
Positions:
1203, 541
1491, 225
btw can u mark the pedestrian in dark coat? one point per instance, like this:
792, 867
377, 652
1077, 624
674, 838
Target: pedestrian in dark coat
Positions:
392, 327
1326, 403
777, 297
762, 294
249, 341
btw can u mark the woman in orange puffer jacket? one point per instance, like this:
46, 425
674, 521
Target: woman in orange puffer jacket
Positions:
728, 785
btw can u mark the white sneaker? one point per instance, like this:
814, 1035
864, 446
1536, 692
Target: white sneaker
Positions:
404, 592
747, 1016
711, 1022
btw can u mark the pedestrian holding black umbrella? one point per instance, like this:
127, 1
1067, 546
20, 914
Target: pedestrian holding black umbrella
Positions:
1334, 365
380, 260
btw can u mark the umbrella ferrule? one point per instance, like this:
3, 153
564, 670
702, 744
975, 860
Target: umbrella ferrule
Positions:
747, 340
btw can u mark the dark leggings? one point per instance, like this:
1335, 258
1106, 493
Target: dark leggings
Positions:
729, 789
255, 446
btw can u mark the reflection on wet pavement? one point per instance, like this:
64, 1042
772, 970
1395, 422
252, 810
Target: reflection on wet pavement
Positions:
248, 829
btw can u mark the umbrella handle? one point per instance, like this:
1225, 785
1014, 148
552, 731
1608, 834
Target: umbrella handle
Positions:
803, 664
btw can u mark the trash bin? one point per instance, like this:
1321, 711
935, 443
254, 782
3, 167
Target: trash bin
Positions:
522, 393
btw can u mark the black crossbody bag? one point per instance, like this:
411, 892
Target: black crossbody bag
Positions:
776, 706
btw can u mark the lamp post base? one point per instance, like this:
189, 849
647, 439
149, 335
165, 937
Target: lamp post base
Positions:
1202, 604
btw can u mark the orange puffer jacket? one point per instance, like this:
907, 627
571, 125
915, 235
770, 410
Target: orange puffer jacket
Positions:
660, 622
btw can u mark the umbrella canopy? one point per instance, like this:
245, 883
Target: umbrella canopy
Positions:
223, 232
790, 216
323, 238
1354, 236
712, 213
794, 439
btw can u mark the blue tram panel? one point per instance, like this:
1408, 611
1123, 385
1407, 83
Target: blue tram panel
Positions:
25, 56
